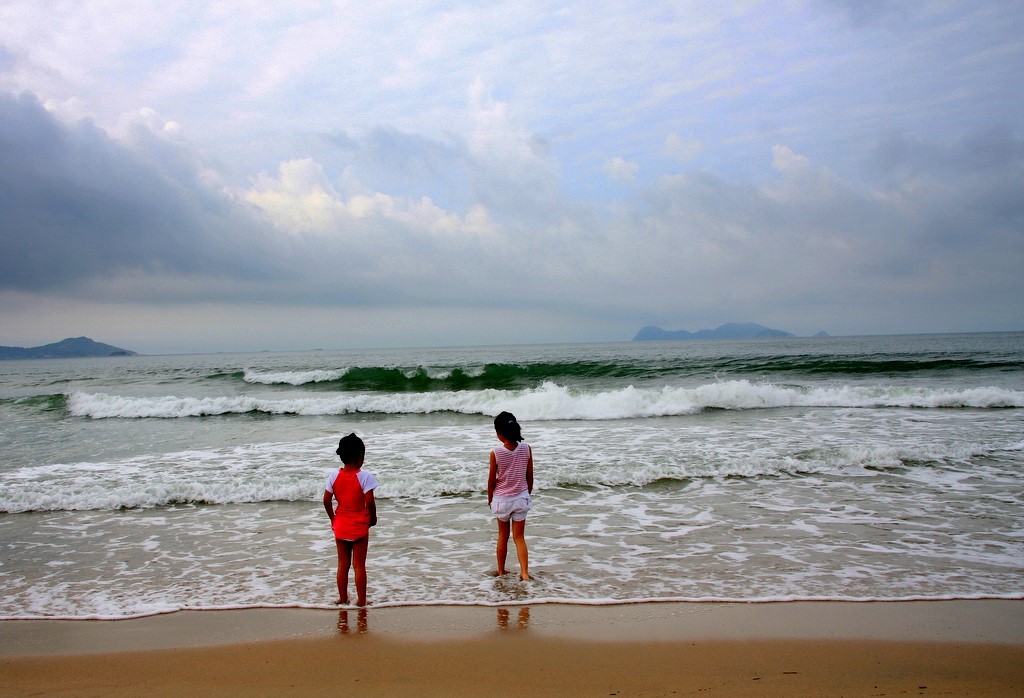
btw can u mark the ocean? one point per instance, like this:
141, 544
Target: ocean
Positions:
846, 468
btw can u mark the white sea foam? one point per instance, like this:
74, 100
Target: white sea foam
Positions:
292, 377
431, 462
550, 401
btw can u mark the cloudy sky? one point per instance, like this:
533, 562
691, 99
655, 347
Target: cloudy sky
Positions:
247, 175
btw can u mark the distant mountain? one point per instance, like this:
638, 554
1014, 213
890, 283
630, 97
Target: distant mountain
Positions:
76, 347
730, 330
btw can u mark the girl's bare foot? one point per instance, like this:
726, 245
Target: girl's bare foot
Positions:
524, 577
341, 602
499, 573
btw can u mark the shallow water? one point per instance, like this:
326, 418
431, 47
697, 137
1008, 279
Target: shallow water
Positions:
857, 468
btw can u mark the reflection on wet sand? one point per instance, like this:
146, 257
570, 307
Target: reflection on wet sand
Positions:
522, 621
362, 624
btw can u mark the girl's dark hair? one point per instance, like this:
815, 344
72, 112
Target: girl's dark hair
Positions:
506, 425
351, 449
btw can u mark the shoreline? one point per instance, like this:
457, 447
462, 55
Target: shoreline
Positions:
998, 621
784, 648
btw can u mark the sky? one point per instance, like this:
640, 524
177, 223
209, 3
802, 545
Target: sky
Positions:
248, 175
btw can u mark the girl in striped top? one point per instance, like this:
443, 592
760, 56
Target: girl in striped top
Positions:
509, 485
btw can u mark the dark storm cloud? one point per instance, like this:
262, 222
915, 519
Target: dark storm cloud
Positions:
968, 196
993, 149
85, 214
78, 205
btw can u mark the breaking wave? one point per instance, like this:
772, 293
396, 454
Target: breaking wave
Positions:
550, 401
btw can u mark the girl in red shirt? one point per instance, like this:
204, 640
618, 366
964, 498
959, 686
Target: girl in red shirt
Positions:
355, 514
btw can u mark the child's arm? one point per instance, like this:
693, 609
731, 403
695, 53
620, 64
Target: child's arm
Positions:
529, 473
371, 506
328, 496
492, 479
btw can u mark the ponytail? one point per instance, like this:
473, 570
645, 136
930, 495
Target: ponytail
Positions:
506, 425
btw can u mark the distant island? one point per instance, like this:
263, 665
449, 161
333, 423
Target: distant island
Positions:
71, 348
730, 330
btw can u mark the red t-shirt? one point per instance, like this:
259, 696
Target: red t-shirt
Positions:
351, 517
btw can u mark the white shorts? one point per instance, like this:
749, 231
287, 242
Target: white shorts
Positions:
514, 508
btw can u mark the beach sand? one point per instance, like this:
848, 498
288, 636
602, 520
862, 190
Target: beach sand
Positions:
961, 648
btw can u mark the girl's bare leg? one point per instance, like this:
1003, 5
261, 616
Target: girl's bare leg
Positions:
359, 548
519, 536
344, 561
504, 528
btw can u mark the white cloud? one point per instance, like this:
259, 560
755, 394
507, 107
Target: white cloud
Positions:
495, 136
787, 162
301, 199
620, 170
150, 120
69, 110
680, 149
801, 182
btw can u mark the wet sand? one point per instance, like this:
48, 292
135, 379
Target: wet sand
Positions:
776, 649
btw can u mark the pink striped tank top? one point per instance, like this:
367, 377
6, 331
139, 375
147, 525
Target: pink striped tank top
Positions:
510, 478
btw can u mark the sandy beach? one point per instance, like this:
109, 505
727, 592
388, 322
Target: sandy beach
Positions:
774, 649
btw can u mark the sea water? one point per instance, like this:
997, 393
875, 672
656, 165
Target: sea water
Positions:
828, 468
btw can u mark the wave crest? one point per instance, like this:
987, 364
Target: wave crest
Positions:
549, 402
